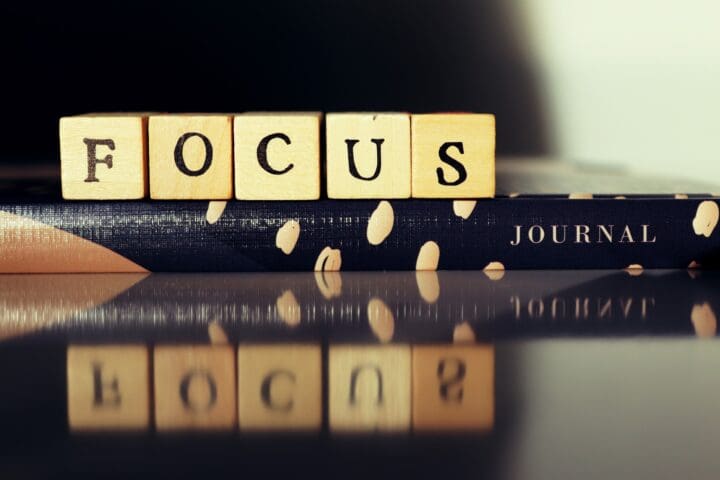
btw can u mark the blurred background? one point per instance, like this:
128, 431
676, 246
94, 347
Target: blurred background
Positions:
633, 83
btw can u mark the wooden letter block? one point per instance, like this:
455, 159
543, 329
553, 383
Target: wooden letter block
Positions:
279, 387
190, 157
368, 155
453, 387
453, 155
108, 387
195, 388
277, 156
103, 157
369, 388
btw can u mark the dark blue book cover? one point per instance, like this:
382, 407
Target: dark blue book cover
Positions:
41, 233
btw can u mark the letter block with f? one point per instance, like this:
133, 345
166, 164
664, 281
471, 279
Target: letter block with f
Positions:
108, 387
103, 157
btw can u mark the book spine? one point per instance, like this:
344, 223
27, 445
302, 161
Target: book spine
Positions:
510, 233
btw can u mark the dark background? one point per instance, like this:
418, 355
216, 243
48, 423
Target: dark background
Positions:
63, 59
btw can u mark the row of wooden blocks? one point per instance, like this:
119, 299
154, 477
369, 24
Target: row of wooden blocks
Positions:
270, 387
277, 156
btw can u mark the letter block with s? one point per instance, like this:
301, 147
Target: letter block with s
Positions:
279, 387
190, 157
104, 156
195, 387
453, 387
277, 156
108, 387
453, 155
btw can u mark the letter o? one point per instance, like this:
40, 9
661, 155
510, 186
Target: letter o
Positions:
531, 235
180, 161
185, 390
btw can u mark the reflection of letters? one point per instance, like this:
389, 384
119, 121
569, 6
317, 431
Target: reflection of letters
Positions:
100, 389
267, 384
354, 379
451, 372
185, 390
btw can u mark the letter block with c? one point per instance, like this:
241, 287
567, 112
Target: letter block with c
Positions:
103, 157
195, 387
453, 387
453, 155
190, 157
277, 156
280, 387
108, 387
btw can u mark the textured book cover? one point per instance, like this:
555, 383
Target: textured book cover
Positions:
528, 229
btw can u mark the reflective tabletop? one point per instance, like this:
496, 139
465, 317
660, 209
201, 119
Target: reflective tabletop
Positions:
561, 374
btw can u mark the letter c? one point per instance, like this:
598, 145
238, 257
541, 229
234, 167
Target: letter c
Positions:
265, 390
262, 153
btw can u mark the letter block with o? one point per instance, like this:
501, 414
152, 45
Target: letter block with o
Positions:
190, 157
280, 387
108, 387
369, 388
368, 155
195, 387
104, 157
453, 155
453, 387
277, 156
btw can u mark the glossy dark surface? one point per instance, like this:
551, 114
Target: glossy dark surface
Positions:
597, 374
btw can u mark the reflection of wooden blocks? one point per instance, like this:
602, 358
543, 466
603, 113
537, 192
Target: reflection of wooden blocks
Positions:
279, 387
195, 387
368, 155
190, 157
277, 156
108, 387
453, 155
103, 157
369, 388
453, 387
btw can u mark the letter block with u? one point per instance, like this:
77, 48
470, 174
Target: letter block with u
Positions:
190, 157
195, 388
104, 157
453, 387
277, 156
453, 155
369, 388
280, 387
108, 387
368, 155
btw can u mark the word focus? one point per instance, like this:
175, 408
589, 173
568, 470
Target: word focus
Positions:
277, 156
279, 387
